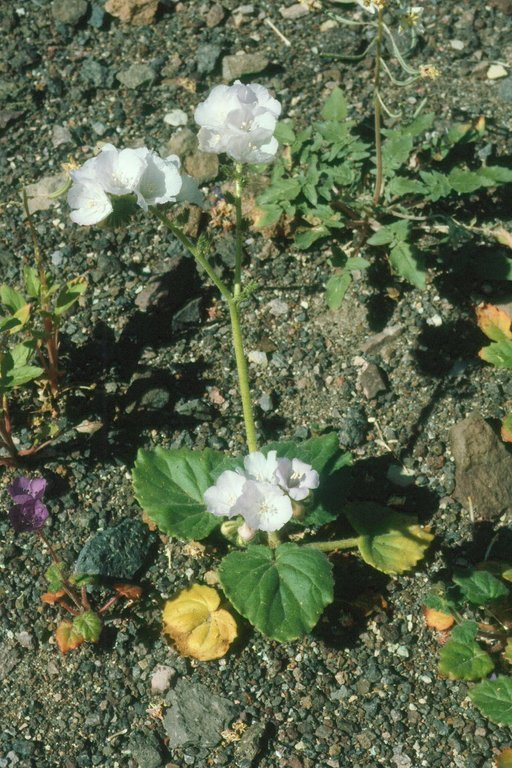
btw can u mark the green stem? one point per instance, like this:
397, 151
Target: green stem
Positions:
198, 256
237, 287
273, 539
243, 376
332, 546
241, 363
377, 110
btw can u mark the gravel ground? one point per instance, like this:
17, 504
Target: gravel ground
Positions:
154, 367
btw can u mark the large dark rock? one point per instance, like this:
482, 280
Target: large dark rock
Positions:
196, 716
483, 469
117, 553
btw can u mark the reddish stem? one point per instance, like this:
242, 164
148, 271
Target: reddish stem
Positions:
68, 589
109, 604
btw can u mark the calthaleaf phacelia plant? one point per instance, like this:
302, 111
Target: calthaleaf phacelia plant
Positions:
29, 514
275, 492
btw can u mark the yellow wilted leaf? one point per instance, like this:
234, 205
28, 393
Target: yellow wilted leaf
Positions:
505, 758
197, 625
503, 236
494, 322
438, 619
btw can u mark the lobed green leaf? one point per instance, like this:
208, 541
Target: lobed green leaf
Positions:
282, 591
170, 484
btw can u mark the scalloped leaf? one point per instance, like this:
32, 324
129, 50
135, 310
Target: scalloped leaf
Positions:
494, 699
504, 759
499, 353
170, 484
198, 626
54, 575
494, 322
390, 541
282, 591
438, 620
462, 658
89, 626
506, 429
480, 587
68, 637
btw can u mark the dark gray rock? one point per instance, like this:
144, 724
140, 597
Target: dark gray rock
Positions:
483, 469
250, 744
353, 427
145, 750
95, 73
69, 12
187, 316
8, 116
159, 293
136, 76
505, 89
117, 552
196, 716
206, 57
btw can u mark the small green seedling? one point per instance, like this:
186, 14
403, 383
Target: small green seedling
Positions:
478, 609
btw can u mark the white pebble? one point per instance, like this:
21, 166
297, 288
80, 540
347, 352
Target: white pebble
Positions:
176, 117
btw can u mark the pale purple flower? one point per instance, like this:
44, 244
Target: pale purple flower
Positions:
222, 497
239, 120
261, 467
28, 512
263, 506
296, 477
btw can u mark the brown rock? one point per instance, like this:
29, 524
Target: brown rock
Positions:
483, 469
503, 5
203, 166
234, 67
137, 12
214, 16
371, 381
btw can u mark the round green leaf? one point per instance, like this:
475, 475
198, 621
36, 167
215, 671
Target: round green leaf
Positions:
88, 625
170, 484
282, 591
389, 541
480, 587
494, 699
462, 658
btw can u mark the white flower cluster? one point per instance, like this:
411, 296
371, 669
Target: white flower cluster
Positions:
239, 120
263, 493
115, 172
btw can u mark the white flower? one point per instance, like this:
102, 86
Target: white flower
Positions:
139, 173
263, 506
90, 202
222, 497
296, 477
116, 171
239, 120
261, 467
160, 181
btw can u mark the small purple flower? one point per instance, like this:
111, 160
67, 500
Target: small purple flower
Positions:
296, 478
28, 513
